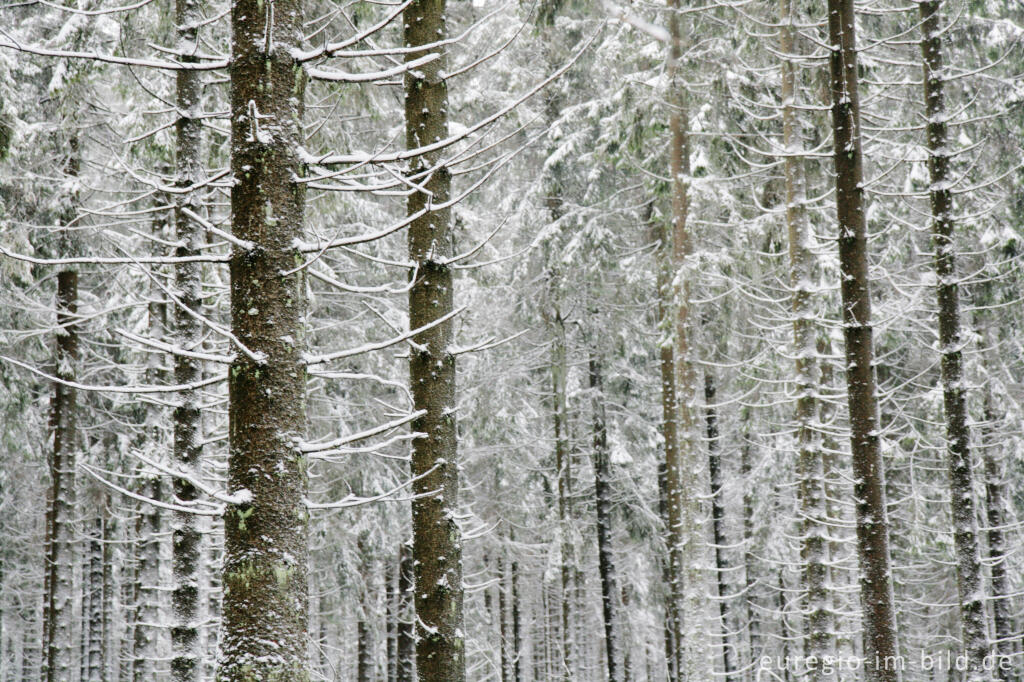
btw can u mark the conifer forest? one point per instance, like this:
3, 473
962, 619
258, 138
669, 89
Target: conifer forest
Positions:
512, 340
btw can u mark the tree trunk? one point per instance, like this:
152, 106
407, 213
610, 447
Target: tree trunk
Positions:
266, 531
563, 465
880, 644
146, 653
684, 471
437, 541
188, 332
718, 521
391, 614
95, 671
749, 560
669, 432
59, 581
602, 496
961, 478
503, 635
996, 516
406, 643
814, 549
517, 643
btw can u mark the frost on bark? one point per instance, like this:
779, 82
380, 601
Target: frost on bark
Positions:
876, 592
437, 539
683, 468
58, 646
603, 503
958, 452
265, 607
814, 534
187, 426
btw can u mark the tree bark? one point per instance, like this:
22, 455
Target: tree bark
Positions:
718, 521
814, 549
683, 472
146, 653
996, 516
266, 558
188, 331
95, 669
563, 465
437, 541
59, 581
880, 643
603, 503
961, 479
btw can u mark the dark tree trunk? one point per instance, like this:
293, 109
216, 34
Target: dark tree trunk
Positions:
961, 478
265, 607
718, 521
517, 643
880, 642
503, 635
188, 331
437, 542
60, 575
602, 495
95, 670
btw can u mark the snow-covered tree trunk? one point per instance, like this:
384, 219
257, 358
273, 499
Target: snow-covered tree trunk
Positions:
718, 521
437, 538
188, 337
563, 467
820, 621
881, 648
266, 528
59, 583
603, 504
95, 669
684, 472
958, 435
148, 656
996, 515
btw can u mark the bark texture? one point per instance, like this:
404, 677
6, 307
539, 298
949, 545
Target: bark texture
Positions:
820, 620
266, 557
602, 495
718, 521
958, 435
188, 331
879, 614
437, 539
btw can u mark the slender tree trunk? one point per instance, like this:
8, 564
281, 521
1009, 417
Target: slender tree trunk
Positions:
96, 671
961, 479
266, 553
683, 471
996, 516
406, 642
670, 434
503, 630
517, 643
437, 542
391, 601
563, 464
814, 550
718, 521
59, 582
147, 654
749, 560
109, 641
187, 426
881, 647
602, 495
